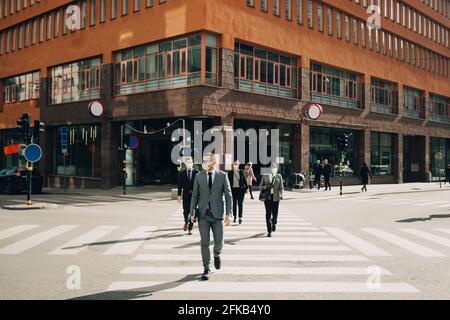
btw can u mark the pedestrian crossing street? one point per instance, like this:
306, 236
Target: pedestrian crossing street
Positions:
338, 260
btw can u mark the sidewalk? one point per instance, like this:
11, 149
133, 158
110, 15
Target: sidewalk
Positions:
164, 192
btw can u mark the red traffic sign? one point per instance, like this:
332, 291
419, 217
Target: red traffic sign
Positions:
314, 111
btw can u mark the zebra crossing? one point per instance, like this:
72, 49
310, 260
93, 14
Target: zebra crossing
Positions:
340, 260
374, 199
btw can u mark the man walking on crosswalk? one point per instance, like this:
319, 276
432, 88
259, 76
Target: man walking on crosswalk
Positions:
210, 186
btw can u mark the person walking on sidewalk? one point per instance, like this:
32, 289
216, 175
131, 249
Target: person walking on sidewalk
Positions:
327, 170
447, 174
210, 186
272, 189
250, 176
364, 176
238, 189
185, 187
317, 170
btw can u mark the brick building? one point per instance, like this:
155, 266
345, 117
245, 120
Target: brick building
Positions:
228, 63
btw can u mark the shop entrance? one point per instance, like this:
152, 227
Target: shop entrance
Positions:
414, 159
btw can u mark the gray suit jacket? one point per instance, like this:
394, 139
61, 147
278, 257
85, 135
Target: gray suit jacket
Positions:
278, 187
201, 195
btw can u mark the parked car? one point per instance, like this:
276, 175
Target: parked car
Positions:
13, 180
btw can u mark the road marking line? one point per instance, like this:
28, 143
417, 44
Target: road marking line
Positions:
445, 230
16, 230
82, 242
428, 236
35, 240
241, 247
245, 270
357, 243
131, 242
250, 257
260, 287
404, 243
430, 203
444, 206
262, 239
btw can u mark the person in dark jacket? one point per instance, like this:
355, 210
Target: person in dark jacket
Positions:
185, 187
327, 170
239, 187
447, 174
364, 176
317, 170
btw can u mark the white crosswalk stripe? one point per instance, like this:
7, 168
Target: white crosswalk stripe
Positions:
131, 242
445, 230
15, 230
357, 243
428, 236
263, 287
404, 243
35, 240
240, 247
77, 245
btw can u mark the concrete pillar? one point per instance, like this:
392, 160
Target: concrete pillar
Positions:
398, 158
426, 102
400, 99
364, 148
1, 96
109, 153
227, 68
305, 147
305, 93
365, 92
426, 149
297, 161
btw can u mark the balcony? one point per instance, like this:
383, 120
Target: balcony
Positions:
383, 100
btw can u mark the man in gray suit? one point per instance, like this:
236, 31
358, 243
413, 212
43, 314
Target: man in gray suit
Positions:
210, 186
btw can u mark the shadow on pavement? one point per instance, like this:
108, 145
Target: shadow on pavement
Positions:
433, 216
139, 292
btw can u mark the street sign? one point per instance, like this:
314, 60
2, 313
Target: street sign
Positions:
133, 142
33, 153
96, 108
64, 146
314, 111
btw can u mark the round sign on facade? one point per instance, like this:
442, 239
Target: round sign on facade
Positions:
314, 111
33, 153
133, 142
96, 108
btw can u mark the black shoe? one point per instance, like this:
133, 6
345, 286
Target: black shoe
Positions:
234, 220
240, 221
269, 234
274, 228
205, 275
217, 263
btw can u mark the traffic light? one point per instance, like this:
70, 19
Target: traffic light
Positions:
38, 128
343, 142
24, 123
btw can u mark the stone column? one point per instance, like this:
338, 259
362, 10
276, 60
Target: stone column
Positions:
365, 94
400, 99
297, 161
364, 148
227, 68
398, 158
305, 93
426, 162
426, 102
305, 147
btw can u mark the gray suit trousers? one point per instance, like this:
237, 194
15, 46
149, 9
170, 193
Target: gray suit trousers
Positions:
205, 225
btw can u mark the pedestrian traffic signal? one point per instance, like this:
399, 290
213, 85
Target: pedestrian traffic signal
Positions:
24, 123
343, 142
38, 128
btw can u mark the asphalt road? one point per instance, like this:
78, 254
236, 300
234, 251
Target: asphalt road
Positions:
359, 246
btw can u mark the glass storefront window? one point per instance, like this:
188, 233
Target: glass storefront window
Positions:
21, 88
381, 154
437, 167
324, 145
84, 152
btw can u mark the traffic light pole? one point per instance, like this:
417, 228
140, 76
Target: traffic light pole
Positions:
29, 184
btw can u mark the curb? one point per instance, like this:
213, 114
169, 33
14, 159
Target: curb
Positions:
36, 206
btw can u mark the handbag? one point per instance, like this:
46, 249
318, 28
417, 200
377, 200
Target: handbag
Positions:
264, 194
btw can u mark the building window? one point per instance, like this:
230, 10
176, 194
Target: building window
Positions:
355, 31
324, 145
381, 153
299, 11
310, 14
363, 34
413, 104
76, 81
137, 5
439, 108
57, 23
263, 71
250, 3
84, 156
263, 5
437, 167
21, 88
347, 28
102, 10
113, 9
330, 21
93, 12
83, 14
124, 7
165, 65
334, 86
383, 96
338, 25
276, 7
319, 17
288, 10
